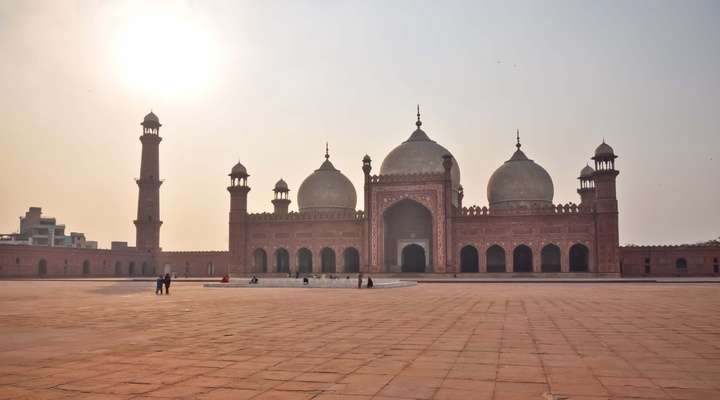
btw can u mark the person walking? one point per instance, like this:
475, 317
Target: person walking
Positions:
370, 283
159, 284
359, 281
167, 281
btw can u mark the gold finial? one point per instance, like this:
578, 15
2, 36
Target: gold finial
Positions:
327, 151
418, 123
518, 140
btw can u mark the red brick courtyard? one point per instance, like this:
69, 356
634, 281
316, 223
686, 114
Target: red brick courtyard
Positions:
117, 340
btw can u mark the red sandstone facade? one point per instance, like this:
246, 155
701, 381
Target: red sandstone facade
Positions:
411, 223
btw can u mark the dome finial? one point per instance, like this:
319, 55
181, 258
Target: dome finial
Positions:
327, 151
418, 123
518, 140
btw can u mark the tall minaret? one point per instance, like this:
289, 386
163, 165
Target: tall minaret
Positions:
147, 224
606, 210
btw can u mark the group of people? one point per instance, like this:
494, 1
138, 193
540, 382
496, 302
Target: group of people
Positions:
369, 285
163, 281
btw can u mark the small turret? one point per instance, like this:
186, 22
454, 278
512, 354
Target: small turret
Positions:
281, 200
587, 188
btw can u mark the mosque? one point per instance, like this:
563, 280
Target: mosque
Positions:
412, 221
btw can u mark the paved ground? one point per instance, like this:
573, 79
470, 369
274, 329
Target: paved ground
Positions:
117, 340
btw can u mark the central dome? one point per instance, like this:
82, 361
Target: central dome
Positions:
326, 190
520, 182
419, 155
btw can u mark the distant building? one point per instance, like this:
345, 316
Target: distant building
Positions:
37, 230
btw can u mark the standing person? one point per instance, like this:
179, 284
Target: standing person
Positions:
360, 281
167, 281
159, 284
370, 283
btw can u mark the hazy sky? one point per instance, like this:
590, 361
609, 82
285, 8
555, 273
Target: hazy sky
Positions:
269, 82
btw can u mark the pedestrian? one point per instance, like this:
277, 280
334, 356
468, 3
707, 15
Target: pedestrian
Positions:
359, 281
370, 283
167, 281
297, 274
159, 284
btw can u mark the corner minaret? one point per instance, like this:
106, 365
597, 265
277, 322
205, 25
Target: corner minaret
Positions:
606, 210
147, 224
238, 216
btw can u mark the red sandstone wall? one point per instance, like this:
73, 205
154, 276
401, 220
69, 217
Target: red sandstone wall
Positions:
194, 263
24, 261
534, 231
295, 234
663, 260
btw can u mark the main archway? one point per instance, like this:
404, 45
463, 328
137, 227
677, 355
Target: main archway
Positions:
407, 223
413, 258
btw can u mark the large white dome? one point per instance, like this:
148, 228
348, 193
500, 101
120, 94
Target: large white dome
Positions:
326, 190
520, 182
419, 155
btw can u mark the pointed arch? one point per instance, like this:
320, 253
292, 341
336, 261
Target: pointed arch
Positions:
282, 260
327, 260
469, 259
305, 261
260, 257
86, 267
352, 259
495, 256
550, 258
522, 259
579, 255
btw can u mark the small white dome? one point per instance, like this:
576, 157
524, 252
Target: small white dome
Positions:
604, 150
239, 169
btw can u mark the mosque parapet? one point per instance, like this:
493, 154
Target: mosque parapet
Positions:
559, 209
407, 178
358, 215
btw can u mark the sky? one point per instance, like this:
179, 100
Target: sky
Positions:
269, 82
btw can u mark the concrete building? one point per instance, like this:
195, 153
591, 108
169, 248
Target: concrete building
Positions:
37, 230
412, 220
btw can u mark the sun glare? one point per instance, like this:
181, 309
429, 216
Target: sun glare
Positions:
166, 54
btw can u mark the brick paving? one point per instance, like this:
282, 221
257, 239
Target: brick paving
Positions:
110, 340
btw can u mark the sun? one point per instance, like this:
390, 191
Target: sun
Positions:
166, 53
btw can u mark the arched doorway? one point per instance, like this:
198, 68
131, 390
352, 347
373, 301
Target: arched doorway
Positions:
469, 260
282, 260
304, 261
413, 258
579, 258
131, 268
260, 260
681, 265
86, 267
495, 259
407, 222
118, 268
522, 259
352, 260
550, 258
211, 269
327, 260
42, 267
